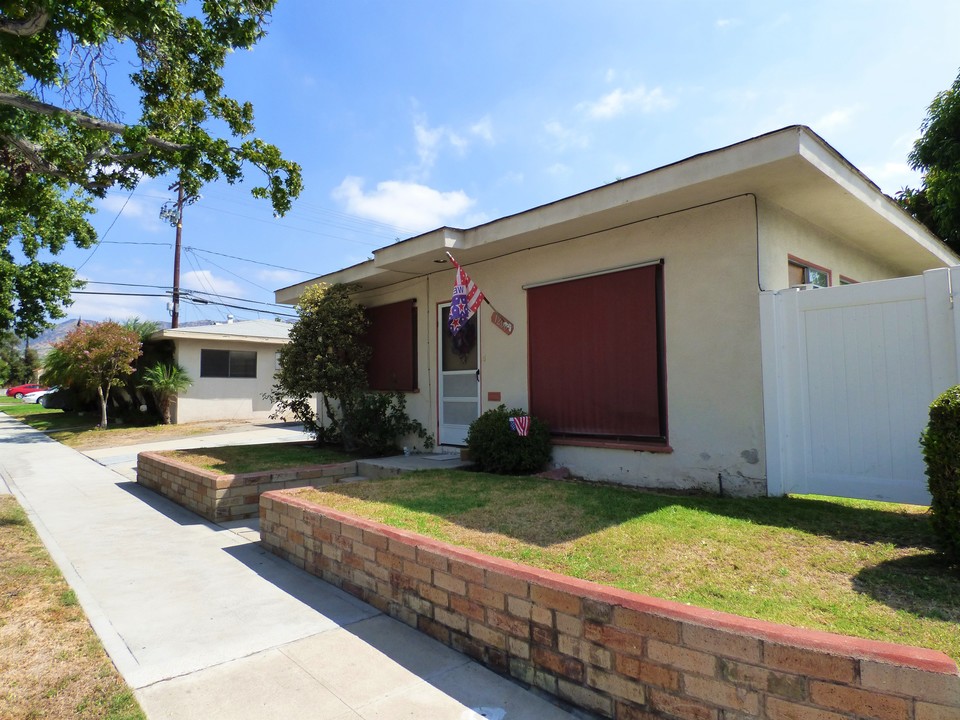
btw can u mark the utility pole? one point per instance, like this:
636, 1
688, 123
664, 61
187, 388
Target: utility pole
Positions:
175, 314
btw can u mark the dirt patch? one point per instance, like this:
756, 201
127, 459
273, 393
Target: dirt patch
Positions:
119, 436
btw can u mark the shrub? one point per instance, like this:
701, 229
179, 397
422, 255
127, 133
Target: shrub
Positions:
941, 452
375, 423
495, 447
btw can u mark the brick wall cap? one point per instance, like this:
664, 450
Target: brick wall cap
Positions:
769, 632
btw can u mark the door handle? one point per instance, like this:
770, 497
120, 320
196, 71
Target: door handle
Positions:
478, 376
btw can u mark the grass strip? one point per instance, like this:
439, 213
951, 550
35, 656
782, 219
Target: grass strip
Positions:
853, 567
51, 662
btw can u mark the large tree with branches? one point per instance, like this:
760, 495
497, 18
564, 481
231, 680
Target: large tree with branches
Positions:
65, 138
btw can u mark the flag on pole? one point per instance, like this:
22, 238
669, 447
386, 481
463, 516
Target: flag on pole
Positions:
466, 299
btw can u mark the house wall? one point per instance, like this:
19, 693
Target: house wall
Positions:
224, 398
786, 234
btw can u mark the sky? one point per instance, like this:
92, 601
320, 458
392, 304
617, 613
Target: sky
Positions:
408, 116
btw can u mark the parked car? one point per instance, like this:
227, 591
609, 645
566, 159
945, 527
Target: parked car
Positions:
20, 390
62, 399
34, 397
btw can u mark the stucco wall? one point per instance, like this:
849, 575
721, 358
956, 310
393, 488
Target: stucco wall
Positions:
714, 399
224, 398
786, 234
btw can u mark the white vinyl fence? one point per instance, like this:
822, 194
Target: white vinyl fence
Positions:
848, 377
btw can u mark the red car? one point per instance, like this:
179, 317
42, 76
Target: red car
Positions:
20, 390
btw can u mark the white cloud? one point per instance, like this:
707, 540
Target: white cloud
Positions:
834, 120
279, 278
724, 23
620, 101
432, 140
406, 205
103, 307
207, 282
483, 129
564, 138
892, 176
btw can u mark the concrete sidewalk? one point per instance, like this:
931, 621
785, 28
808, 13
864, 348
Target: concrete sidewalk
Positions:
203, 623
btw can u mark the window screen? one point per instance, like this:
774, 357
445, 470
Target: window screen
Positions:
228, 363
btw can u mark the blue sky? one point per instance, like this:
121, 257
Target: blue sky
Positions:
407, 116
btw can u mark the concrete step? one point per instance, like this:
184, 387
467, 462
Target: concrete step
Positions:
352, 479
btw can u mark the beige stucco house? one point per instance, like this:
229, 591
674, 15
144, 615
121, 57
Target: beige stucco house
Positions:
231, 364
634, 307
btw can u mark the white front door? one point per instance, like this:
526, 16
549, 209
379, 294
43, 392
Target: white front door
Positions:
459, 379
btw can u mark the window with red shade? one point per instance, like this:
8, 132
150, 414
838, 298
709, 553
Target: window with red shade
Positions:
392, 337
596, 355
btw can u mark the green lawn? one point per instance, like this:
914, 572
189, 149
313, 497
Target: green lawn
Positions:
250, 458
858, 568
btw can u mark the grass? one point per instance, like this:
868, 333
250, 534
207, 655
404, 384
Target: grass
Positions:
52, 664
859, 568
80, 431
251, 458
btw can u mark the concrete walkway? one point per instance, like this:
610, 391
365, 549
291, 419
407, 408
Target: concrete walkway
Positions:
203, 623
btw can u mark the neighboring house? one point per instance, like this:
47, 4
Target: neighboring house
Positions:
232, 365
635, 307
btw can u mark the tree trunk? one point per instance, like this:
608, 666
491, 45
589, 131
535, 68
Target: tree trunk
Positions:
103, 406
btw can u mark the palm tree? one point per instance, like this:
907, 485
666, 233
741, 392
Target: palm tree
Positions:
165, 381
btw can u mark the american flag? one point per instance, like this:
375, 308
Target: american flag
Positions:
466, 299
520, 425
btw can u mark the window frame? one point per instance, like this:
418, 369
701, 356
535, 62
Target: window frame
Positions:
231, 371
807, 266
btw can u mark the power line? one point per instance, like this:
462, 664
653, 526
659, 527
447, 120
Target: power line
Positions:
255, 262
186, 290
107, 231
192, 300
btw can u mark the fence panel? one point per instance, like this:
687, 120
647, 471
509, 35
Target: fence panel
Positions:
849, 374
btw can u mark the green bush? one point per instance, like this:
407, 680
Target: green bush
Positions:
372, 423
494, 447
941, 452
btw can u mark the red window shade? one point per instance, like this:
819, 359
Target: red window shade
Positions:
596, 355
392, 336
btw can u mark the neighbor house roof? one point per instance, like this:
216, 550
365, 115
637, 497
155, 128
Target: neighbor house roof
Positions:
247, 331
793, 168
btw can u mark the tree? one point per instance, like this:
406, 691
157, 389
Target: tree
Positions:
63, 141
16, 366
327, 355
98, 357
937, 154
165, 380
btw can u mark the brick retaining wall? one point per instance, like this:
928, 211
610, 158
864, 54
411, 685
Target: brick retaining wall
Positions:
228, 497
612, 652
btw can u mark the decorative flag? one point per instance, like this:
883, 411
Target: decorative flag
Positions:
520, 425
466, 299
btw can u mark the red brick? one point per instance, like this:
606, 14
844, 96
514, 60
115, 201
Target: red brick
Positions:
543, 636
449, 582
555, 599
557, 664
864, 703
389, 560
567, 624
467, 608
518, 648
518, 627
648, 672
646, 624
487, 636
585, 651
434, 629
937, 688
616, 685
417, 571
613, 639
486, 596
432, 559
351, 531
507, 584
810, 663
585, 697
630, 712
435, 595
450, 619
375, 540
792, 687
520, 608
929, 711
721, 642
778, 709
402, 549
465, 571
682, 658
680, 707
723, 694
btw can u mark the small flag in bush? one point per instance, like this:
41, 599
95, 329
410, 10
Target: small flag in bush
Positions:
521, 425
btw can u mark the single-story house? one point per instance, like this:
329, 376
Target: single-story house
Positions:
628, 316
231, 364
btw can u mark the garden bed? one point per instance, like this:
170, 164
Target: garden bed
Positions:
234, 496
611, 651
